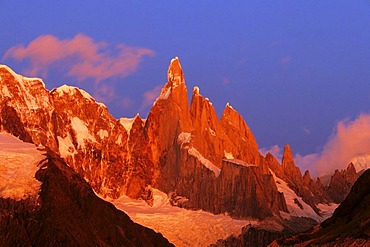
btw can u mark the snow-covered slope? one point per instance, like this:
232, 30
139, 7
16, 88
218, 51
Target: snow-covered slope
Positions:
19, 162
180, 226
297, 207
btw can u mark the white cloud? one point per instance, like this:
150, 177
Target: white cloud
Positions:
350, 139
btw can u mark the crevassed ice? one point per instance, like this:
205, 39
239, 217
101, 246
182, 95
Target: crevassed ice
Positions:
183, 228
18, 165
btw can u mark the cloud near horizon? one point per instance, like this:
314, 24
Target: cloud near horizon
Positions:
150, 96
82, 57
350, 139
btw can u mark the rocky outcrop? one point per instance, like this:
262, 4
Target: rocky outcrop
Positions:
240, 142
251, 236
168, 118
291, 172
267, 231
241, 189
341, 183
68, 213
349, 225
207, 134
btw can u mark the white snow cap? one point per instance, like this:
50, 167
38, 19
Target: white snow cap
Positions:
196, 90
174, 74
174, 59
228, 105
20, 78
66, 89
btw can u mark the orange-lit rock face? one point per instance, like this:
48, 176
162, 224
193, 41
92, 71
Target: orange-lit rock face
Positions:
207, 134
240, 141
177, 148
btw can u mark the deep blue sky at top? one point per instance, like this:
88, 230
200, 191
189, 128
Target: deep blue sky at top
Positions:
291, 68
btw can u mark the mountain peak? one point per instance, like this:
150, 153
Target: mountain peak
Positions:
21, 78
175, 74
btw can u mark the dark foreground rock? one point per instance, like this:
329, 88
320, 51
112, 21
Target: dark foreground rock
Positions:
349, 225
68, 213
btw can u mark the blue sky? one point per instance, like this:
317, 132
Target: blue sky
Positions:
293, 69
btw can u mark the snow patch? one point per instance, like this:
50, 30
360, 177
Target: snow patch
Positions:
290, 198
194, 152
65, 89
82, 132
239, 162
181, 227
228, 105
71, 90
5, 91
66, 147
103, 133
196, 90
184, 138
18, 165
212, 131
228, 156
326, 210
127, 123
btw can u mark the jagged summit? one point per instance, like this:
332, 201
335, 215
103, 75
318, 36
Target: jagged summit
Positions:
21, 78
175, 74
131, 156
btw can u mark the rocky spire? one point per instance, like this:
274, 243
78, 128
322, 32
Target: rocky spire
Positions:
240, 141
206, 129
175, 74
291, 171
307, 178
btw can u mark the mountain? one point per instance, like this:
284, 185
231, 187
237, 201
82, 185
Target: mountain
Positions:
349, 225
182, 149
61, 209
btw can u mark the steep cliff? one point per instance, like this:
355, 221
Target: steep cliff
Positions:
64, 211
349, 225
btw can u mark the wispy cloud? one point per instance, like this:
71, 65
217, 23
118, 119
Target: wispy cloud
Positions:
306, 130
225, 81
350, 140
82, 57
275, 150
285, 60
150, 96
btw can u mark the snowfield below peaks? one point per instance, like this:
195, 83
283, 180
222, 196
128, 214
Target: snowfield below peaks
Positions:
180, 226
293, 201
18, 165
